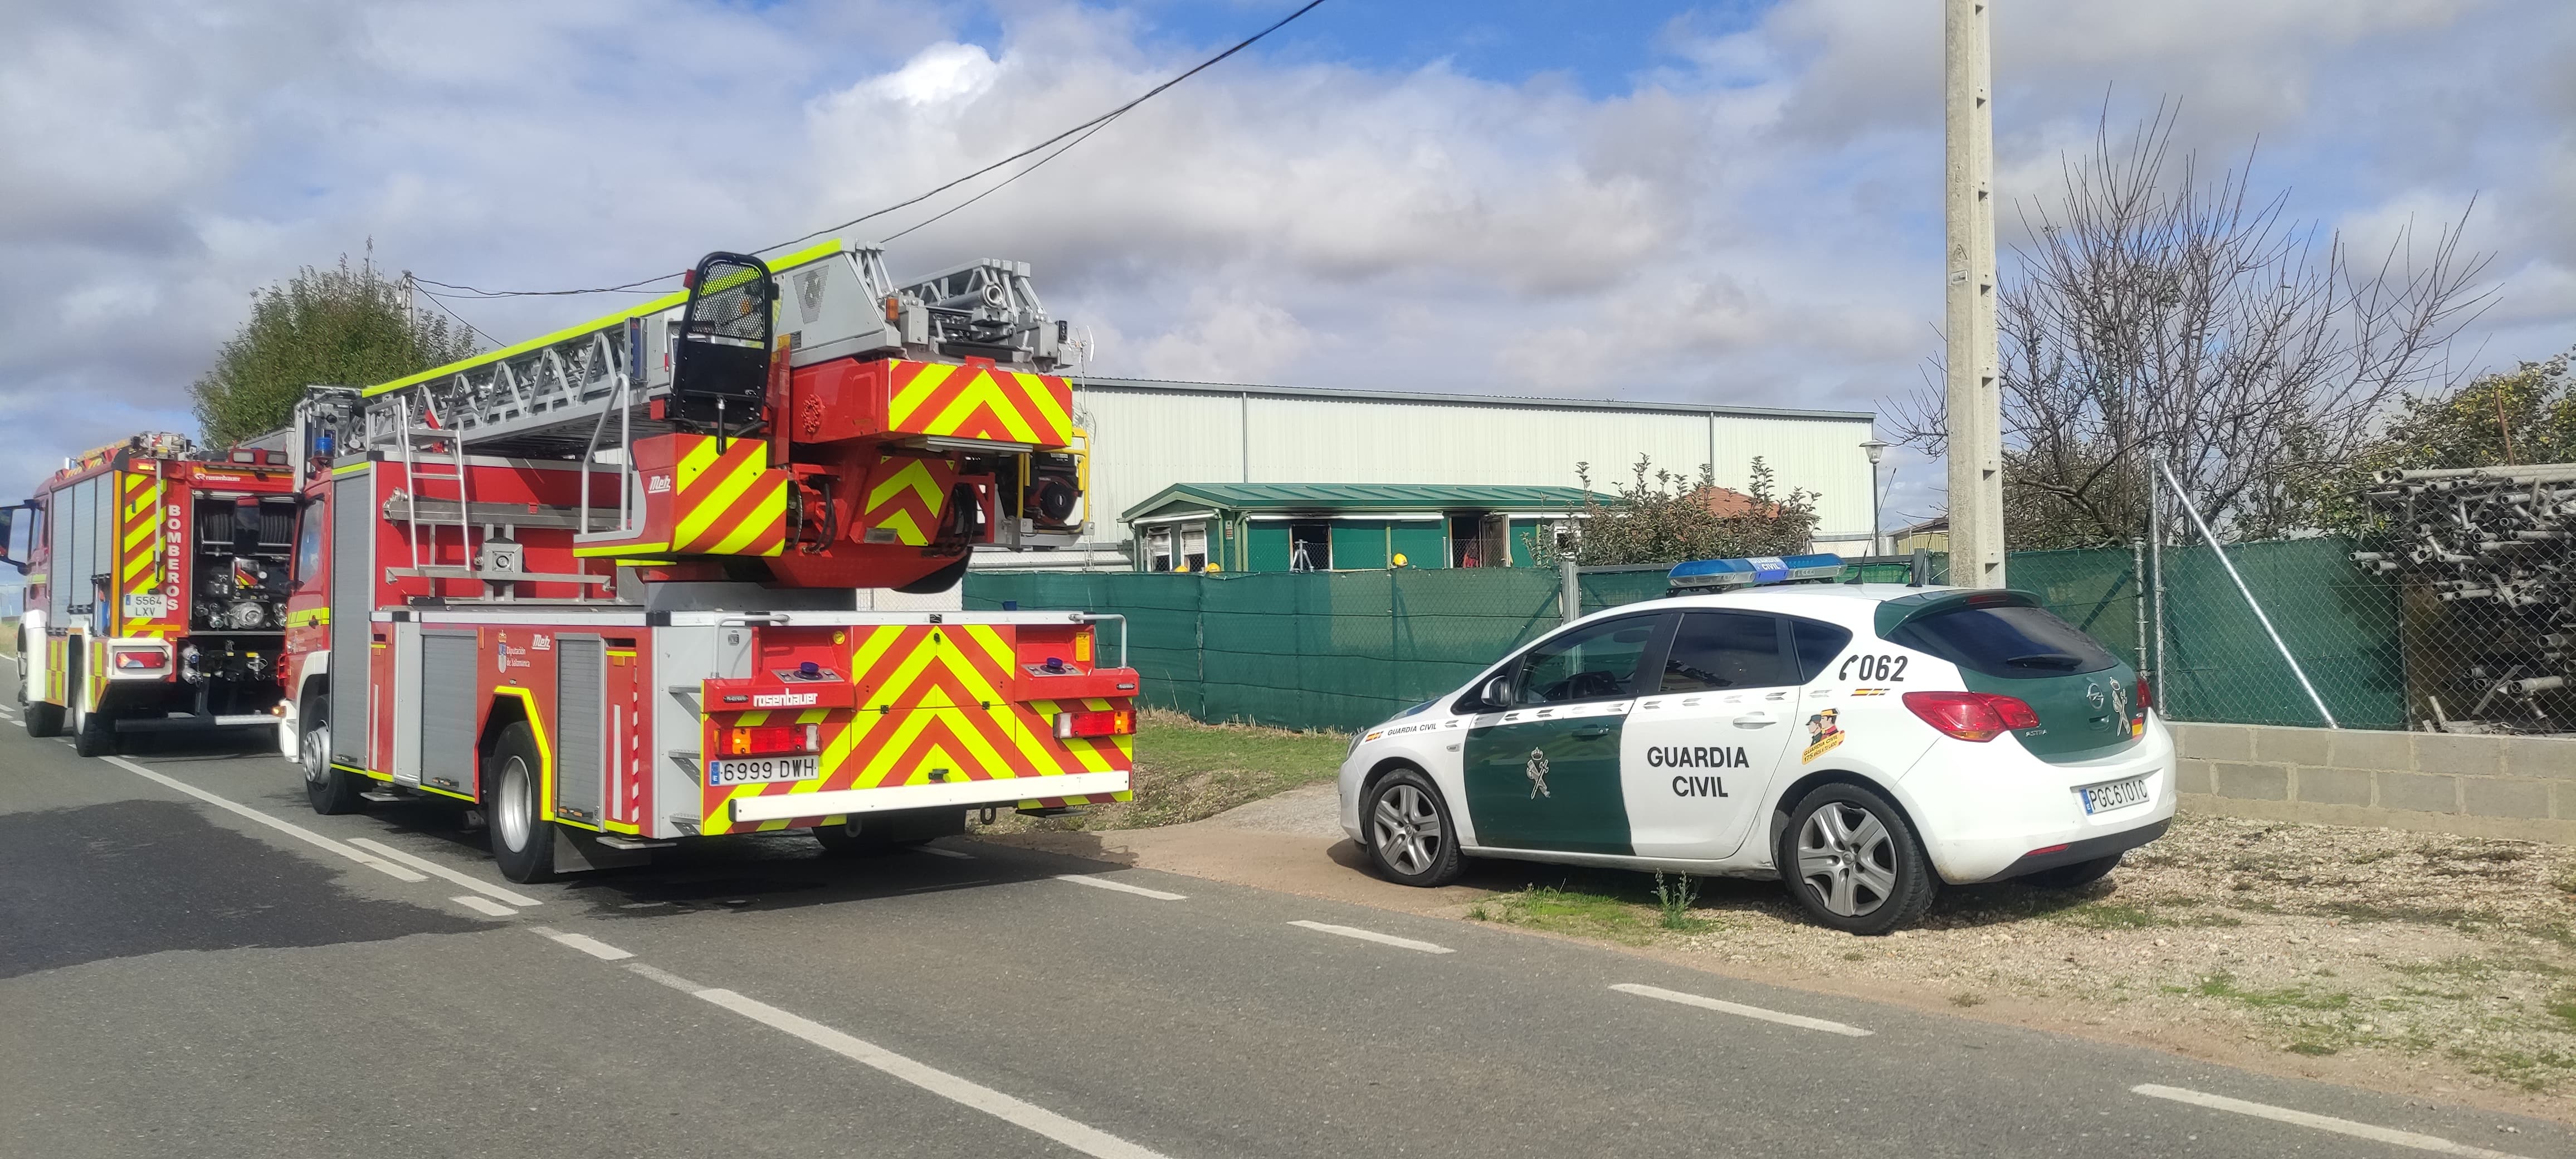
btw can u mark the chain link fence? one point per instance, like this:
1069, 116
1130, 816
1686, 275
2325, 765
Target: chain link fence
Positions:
1343, 650
2485, 559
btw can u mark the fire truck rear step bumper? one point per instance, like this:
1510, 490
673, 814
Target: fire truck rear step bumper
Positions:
182, 723
958, 793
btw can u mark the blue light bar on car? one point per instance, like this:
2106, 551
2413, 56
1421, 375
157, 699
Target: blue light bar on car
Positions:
1769, 569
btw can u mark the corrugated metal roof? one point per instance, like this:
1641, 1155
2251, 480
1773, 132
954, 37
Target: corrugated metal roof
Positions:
1082, 382
1359, 497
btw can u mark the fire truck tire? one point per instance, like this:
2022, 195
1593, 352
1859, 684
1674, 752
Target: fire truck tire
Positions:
44, 719
330, 791
93, 732
937, 581
523, 840
889, 832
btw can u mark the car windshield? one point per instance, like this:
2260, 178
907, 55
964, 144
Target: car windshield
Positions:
2016, 643
1589, 663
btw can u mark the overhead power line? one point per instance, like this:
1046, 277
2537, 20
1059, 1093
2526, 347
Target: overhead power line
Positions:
1069, 138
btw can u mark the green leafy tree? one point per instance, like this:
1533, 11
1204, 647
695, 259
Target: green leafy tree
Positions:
1663, 517
349, 325
2515, 417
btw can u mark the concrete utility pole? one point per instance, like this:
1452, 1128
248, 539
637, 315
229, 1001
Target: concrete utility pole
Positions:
1975, 397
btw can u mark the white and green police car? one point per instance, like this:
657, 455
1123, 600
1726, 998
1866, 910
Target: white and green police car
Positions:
1862, 742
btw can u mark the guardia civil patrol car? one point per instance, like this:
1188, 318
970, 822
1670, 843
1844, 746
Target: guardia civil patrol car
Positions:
1862, 742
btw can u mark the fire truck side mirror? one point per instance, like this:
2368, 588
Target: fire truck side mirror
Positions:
8, 530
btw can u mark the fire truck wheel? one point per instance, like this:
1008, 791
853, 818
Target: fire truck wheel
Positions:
331, 791
523, 841
889, 832
93, 732
44, 719
937, 581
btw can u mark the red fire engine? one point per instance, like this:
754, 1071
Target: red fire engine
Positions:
638, 581
156, 590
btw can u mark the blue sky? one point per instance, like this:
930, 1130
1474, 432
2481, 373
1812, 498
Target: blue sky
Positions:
1710, 202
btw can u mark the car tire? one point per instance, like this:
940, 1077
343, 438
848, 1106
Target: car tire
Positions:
1411, 839
877, 834
2073, 874
93, 732
523, 839
1853, 863
331, 791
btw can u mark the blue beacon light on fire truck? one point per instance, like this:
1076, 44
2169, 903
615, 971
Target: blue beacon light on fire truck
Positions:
1706, 575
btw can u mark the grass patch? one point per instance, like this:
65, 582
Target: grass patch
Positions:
1673, 904
1188, 771
2111, 915
1582, 913
2311, 1049
1965, 999
2223, 985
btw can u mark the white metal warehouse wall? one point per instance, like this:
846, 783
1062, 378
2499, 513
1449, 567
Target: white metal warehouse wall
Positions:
1146, 436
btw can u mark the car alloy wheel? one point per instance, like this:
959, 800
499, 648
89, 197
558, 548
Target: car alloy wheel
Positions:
1407, 829
1847, 856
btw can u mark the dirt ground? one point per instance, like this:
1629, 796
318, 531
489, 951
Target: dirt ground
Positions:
2416, 963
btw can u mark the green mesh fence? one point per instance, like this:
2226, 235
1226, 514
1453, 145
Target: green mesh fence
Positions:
1343, 650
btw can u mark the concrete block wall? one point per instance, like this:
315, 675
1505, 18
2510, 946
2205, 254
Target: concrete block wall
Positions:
2478, 786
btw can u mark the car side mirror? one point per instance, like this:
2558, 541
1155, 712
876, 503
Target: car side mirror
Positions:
1497, 693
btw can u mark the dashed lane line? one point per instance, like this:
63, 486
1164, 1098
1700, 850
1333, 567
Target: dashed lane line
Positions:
469, 881
2391, 1136
300, 833
1120, 886
582, 942
1374, 936
1018, 1112
1737, 1008
484, 905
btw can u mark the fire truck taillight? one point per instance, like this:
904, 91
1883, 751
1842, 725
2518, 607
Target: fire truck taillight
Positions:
139, 659
761, 740
1073, 724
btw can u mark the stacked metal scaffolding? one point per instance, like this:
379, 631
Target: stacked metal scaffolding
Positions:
2485, 554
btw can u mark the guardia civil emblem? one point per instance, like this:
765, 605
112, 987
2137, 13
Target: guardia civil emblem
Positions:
1538, 774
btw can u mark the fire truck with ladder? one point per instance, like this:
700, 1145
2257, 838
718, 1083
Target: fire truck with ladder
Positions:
156, 589
645, 579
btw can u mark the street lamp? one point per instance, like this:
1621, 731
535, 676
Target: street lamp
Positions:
1876, 450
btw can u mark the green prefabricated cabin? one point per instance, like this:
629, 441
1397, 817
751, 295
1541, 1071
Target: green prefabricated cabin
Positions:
1241, 527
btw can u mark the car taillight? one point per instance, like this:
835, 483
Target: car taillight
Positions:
1072, 724
762, 740
1976, 716
139, 659
2146, 695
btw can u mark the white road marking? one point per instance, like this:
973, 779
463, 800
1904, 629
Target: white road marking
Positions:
484, 906
582, 942
1017, 1112
936, 851
371, 861
1120, 886
425, 865
1798, 1020
665, 977
2432, 1143
1374, 936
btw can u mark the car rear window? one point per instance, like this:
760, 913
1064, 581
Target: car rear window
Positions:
2014, 643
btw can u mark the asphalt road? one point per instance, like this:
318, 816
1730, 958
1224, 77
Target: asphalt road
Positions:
178, 978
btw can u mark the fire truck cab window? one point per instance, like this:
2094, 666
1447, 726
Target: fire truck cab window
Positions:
308, 546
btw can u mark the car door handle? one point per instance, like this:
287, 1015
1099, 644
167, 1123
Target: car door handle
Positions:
1756, 720
1592, 732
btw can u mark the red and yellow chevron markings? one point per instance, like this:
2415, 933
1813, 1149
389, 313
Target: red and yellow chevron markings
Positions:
932, 711
906, 495
138, 550
981, 401
727, 502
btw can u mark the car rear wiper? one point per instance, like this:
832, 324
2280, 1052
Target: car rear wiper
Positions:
2046, 660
